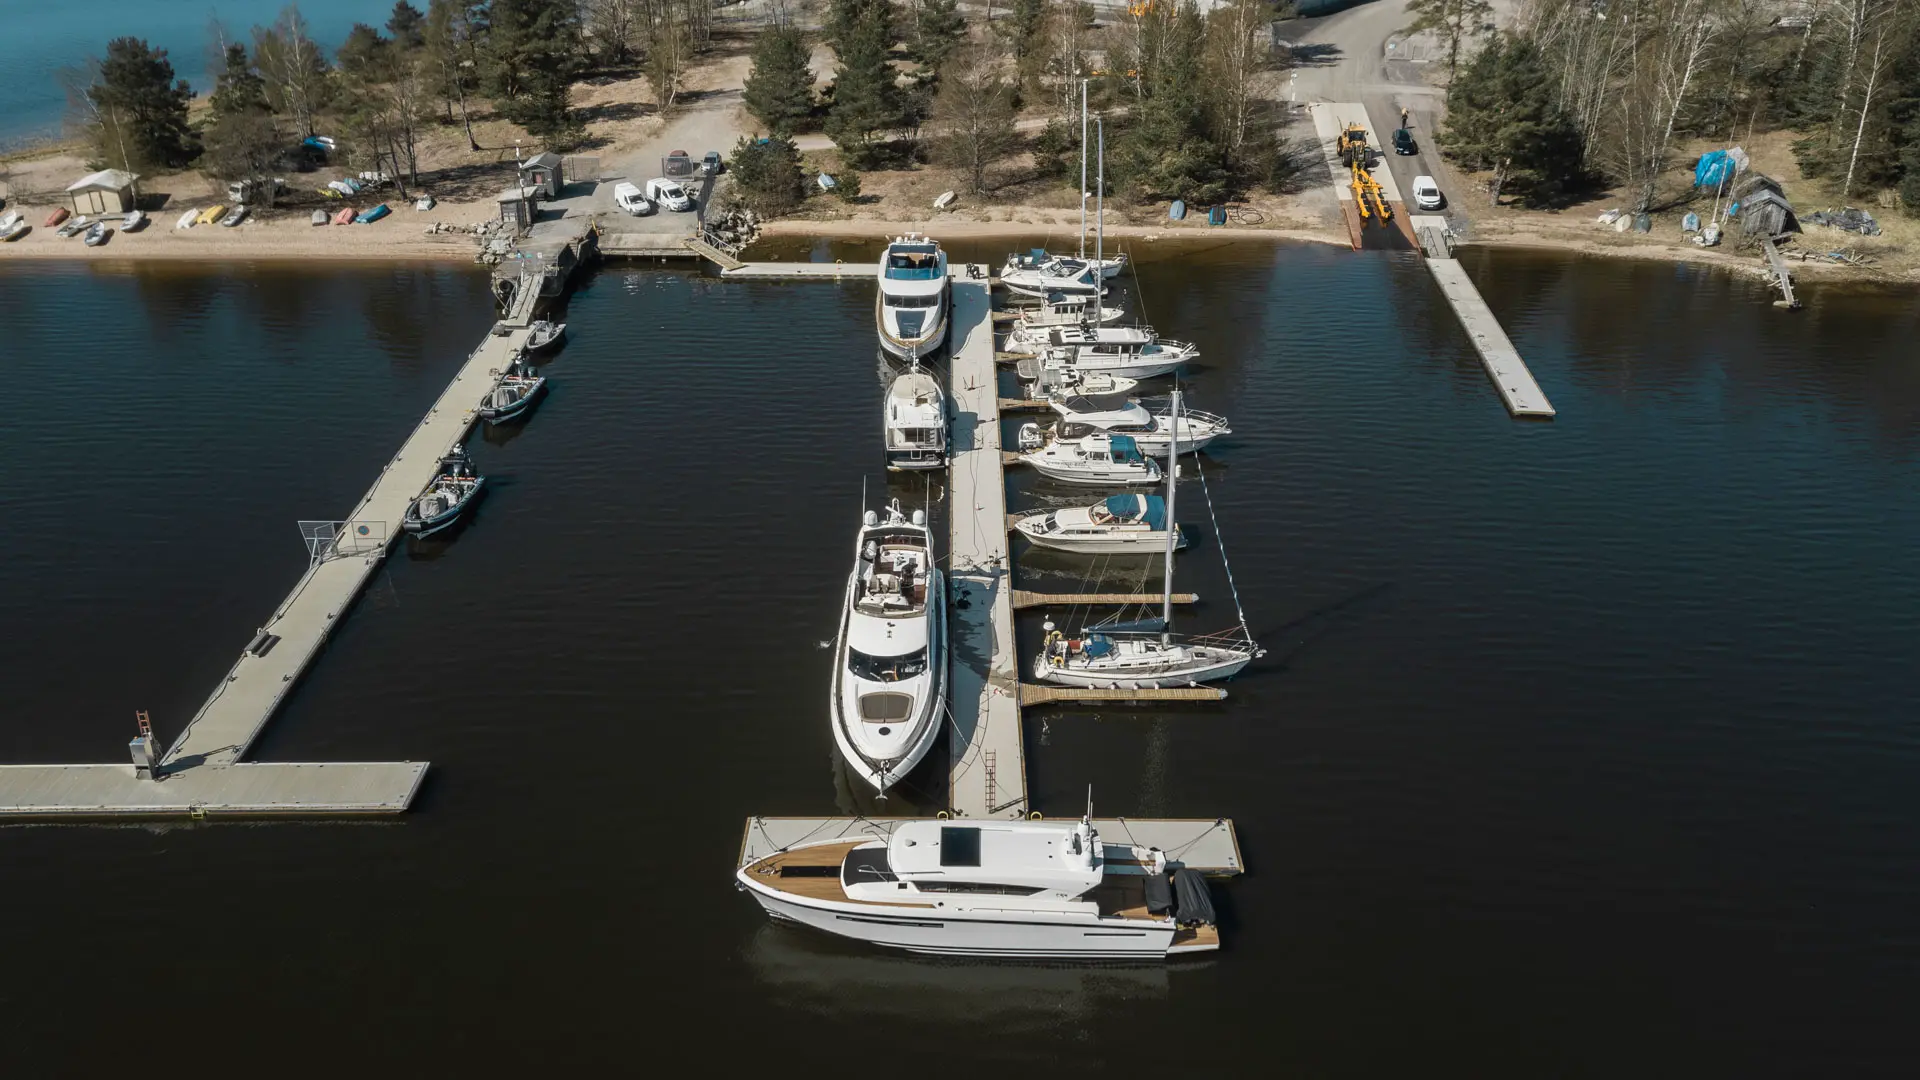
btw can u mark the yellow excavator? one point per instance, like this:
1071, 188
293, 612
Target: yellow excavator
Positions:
1367, 196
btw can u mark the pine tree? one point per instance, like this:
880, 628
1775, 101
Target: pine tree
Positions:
845, 18
1024, 31
866, 96
238, 88
242, 142
1170, 152
766, 173
139, 110
779, 89
973, 118
935, 28
533, 47
407, 25
1453, 20
1501, 114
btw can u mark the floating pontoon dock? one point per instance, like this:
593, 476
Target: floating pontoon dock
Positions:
1207, 845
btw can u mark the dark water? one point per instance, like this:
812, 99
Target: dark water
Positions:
1584, 748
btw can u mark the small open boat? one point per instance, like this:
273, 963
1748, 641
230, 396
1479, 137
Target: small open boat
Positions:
132, 221
74, 226
211, 214
343, 216
424, 202
60, 214
235, 217
447, 496
372, 214
544, 336
97, 235
513, 395
13, 227
319, 217
188, 220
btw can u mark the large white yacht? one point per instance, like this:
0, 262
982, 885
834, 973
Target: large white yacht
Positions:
911, 310
1023, 889
890, 662
1134, 351
916, 421
1153, 431
1100, 459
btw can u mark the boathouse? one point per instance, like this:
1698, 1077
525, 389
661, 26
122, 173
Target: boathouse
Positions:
543, 171
109, 191
518, 205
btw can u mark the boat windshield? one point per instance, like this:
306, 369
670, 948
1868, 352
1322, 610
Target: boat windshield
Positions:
886, 668
896, 301
913, 264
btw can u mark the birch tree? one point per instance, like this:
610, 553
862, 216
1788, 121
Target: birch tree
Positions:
293, 66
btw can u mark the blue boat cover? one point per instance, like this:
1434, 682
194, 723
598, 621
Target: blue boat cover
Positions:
1125, 449
1038, 255
1096, 645
1130, 508
1715, 168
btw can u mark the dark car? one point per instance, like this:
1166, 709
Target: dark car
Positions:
679, 164
712, 165
1403, 142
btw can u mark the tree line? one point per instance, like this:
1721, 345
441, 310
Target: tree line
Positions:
1579, 91
1182, 92
384, 86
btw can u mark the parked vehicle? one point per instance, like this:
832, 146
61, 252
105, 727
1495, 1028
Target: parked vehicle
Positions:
1403, 142
712, 164
627, 196
679, 164
669, 194
1426, 193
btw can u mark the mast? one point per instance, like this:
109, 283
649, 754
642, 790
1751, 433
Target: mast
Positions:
1100, 216
1083, 169
1173, 486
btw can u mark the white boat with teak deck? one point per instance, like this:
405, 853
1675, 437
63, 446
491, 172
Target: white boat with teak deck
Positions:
916, 421
911, 310
890, 661
1041, 258
1019, 889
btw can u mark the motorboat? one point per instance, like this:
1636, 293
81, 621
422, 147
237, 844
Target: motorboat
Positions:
1056, 283
453, 487
1028, 890
1040, 258
916, 421
513, 395
97, 234
1066, 382
1154, 431
188, 219
1032, 325
235, 216
628, 197
1100, 458
1134, 351
1116, 525
911, 308
1145, 653
890, 659
211, 214
133, 221
544, 336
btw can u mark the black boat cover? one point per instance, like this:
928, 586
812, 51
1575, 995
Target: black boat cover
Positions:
1192, 902
1159, 895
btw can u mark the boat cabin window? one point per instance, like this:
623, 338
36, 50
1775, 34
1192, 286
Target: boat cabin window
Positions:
880, 708
979, 887
913, 301
886, 668
913, 265
866, 865
959, 846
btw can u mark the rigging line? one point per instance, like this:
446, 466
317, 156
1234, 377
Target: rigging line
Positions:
1220, 542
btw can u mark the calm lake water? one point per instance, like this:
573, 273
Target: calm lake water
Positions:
1583, 748
38, 39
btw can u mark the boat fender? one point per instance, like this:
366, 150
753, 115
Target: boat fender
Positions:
943, 816
1036, 816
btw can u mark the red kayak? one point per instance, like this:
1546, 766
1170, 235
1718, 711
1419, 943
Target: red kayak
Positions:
59, 215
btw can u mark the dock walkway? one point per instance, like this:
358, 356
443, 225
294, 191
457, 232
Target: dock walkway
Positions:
989, 774
1510, 375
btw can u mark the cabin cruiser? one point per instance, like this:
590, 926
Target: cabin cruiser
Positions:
1116, 525
1134, 351
1056, 283
1045, 383
513, 394
1144, 653
1126, 416
1040, 259
1023, 889
447, 496
1099, 458
911, 310
890, 662
1033, 327
916, 421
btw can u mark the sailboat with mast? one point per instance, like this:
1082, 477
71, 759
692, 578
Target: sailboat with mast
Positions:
1038, 264
1146, 653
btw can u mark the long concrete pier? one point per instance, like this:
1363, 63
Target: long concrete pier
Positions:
989, 770
1510, 375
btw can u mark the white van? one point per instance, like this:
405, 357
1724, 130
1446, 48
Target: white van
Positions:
1426, 194
669, 193
627, 197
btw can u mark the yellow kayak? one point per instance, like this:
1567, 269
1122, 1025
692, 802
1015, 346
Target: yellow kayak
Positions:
211, 214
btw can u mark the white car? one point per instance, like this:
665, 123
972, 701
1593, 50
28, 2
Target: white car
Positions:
627, 197
669, 193
1426, 194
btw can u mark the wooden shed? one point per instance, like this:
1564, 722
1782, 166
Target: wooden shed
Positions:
518, 206
543, 171
109, 191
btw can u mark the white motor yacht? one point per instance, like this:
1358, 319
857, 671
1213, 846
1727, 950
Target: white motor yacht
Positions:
1032, 330
911, 310
890, 662
1040, 259
1126, 416
1145, 654
1066, 382
1116, 525
1099, 458
1056, 283
1134, 351
916, 421
1029, 890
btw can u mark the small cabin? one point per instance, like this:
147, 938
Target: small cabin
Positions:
518, 205
109, 191
543, 171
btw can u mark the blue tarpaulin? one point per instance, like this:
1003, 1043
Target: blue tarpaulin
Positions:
1151, 509
1125, 449
1715, 168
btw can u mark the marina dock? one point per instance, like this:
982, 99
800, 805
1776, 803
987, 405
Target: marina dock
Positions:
1205, 844
989, 770
798, 271
1518, 390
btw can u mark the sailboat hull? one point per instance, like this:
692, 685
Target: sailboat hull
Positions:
1194, 664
